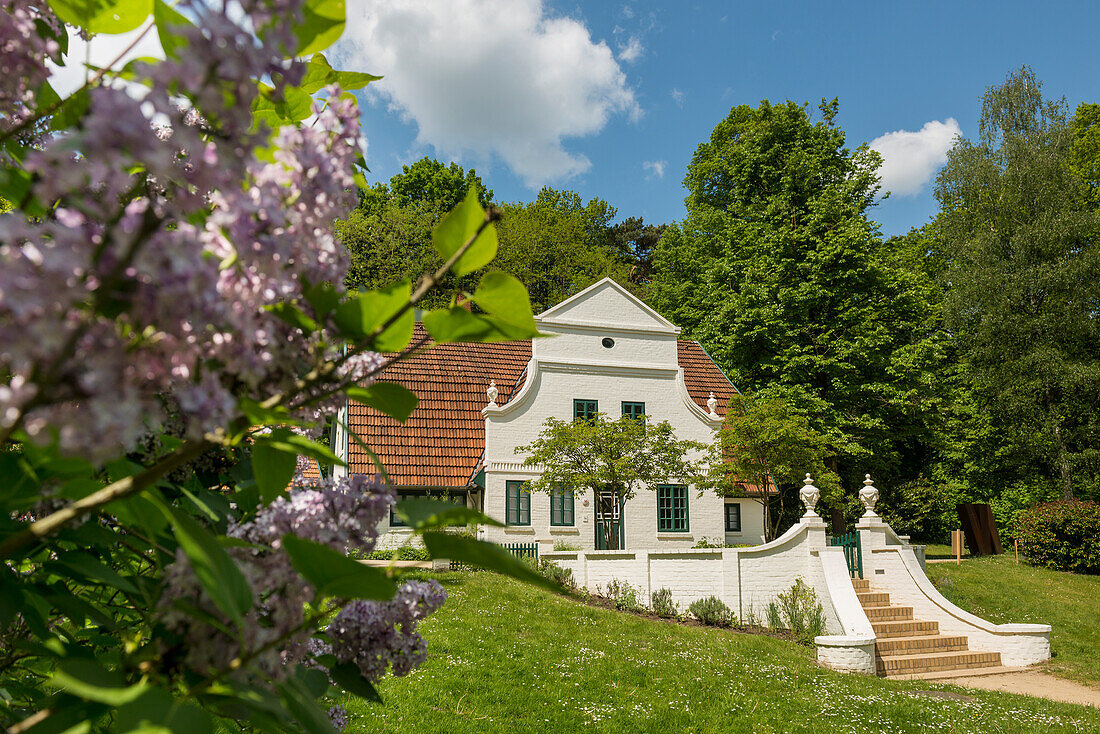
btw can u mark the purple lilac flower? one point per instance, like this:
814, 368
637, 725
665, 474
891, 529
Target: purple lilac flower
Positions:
380, 636
338, 716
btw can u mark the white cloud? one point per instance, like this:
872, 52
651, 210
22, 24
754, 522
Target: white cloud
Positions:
656, 169
632, 51
627, 12
677, 97
910, 159
489, 77
103, 50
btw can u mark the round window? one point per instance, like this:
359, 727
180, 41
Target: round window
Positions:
608, 342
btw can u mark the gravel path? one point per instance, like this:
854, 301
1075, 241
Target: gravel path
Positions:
1031, 683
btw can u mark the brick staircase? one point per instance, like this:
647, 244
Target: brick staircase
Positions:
907, 648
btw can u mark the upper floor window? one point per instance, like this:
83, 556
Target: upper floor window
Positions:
633, 410
585, 410
517, 509
672, 508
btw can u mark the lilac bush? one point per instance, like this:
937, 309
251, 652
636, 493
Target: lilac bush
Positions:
174, 339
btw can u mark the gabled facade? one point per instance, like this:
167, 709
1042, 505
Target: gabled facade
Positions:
606, 351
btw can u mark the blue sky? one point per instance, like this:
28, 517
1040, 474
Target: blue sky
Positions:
611, 98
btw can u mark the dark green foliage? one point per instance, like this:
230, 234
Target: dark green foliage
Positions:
711, 611
799, 611
1063, 535
561, 576
624, 596
1023, 266
778, 270
662, 604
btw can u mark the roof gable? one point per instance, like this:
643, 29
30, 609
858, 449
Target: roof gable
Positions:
607, 304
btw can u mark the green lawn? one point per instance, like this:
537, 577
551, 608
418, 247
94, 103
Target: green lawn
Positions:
996, 588
507, 657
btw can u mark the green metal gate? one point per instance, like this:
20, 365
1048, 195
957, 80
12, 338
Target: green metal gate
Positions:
852, 554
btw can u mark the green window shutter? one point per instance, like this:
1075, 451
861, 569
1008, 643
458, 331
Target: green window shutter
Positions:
733, 517
585, 410
633, 410
672, 508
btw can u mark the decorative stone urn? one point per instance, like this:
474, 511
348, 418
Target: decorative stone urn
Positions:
492, 392
868, 495
809, 494
712, 405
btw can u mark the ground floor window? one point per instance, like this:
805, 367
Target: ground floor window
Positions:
457, 498
672, 508
517, 503
733, 517
561, 507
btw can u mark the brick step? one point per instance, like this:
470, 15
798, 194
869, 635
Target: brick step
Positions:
873, 598
947, 675
904, 628
920, 643
883, 614
861, 585
929, 662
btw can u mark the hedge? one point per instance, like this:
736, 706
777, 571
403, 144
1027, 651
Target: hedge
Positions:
1063, 535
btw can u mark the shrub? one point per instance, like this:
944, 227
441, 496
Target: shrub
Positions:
559, 575
799, 611
711, 611
709, 543
1063, 535
662, 603
623, 595
404, 553
565, 545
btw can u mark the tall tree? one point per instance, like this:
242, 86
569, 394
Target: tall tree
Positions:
1020, 231
778, 270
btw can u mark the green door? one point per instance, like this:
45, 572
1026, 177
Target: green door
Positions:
609, 521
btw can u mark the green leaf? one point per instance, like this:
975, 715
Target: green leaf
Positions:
322, 297
503, 296
484, 555
363, 313
95, 570
348, 677
456, 324
286, 440
215, 570
90, 680
394, 400
322, 25
139, 511
103, 16
156, 711
273, 467
294, 316
320, 74
299, 702
21, 483
334, 574
425, 514
459, 226
169, 22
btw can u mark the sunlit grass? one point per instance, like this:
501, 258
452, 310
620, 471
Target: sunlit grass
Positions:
507, 657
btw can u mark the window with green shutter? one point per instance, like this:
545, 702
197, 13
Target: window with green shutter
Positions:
561, 507
672, 508
585, 410
517, 503
733, 517
633, 410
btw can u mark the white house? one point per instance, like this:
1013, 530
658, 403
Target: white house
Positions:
607, 352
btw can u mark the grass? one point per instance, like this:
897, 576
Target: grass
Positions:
508, 657
996, 588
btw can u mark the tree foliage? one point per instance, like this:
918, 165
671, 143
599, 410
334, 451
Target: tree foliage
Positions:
766, 442
778, 270
1019, 229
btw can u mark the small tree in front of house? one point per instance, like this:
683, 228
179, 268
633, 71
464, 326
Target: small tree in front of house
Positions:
766, 441
613, 458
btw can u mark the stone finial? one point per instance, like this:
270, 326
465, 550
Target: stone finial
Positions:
868, 496
492, 392
809, 494
712, 405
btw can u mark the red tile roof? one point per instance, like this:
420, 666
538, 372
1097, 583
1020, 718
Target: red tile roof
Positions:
441, 444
